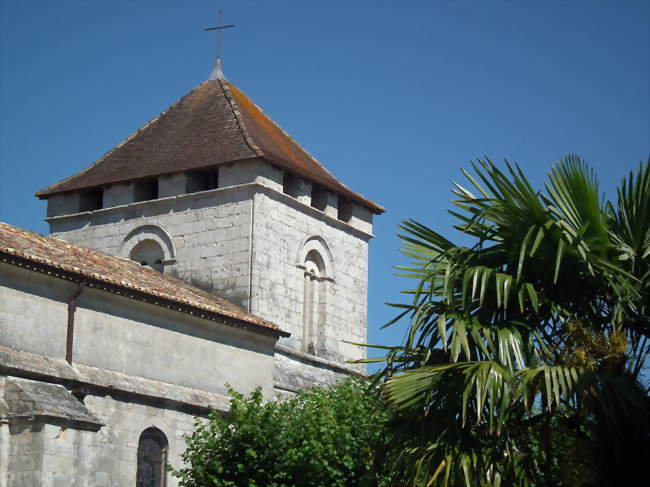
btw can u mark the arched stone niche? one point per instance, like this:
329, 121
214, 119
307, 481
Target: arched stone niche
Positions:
149, 245
312, 246
148, 253
316, 265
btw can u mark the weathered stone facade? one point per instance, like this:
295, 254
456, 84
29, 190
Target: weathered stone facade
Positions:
247, 242
100, 375
129, 337
45, 450
134, 366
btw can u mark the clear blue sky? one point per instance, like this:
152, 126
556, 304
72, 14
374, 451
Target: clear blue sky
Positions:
393, 97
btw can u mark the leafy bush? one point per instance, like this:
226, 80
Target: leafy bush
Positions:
319, 437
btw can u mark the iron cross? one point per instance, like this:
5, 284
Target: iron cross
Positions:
219, 27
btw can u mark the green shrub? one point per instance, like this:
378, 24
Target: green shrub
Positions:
319, 437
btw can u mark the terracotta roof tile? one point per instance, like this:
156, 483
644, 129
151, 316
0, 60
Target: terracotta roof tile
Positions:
78, 262
212, 125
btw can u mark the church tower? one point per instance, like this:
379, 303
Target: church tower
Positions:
215, 193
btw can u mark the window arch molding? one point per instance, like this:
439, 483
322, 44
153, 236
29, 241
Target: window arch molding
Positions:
317, 244
153, 447
314, 260
149, 232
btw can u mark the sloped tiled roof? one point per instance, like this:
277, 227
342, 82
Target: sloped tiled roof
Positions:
213, 124
121, 276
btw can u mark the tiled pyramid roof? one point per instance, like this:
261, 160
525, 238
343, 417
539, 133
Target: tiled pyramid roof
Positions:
213, 124
121, 276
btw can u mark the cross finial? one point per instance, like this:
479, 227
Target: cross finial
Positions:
216, 72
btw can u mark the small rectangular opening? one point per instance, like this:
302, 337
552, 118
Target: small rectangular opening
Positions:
144, 190
290, 184
344, 210
202, 180
91, 199
318, 197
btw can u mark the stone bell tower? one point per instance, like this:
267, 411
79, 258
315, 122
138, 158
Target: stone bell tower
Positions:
215, 193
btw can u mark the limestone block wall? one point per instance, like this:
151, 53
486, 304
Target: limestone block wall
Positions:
63, 204
245, 241
24, 450
39, 453
147, 341
209, 234
70, 457
282, 227
115, 459
25, 306
117, 194
130, 337
254, 171
49, 455
172, 185
295, 371
32, 314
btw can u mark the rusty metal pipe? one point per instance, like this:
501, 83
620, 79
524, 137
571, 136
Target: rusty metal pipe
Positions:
72, 307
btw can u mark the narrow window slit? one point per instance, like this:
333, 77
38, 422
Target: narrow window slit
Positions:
290, 184
318, 197
344, 209
203, 180
91, 199
146, 190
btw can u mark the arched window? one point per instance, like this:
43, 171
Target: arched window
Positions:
149, 245
152, 458
314, 302
149, 253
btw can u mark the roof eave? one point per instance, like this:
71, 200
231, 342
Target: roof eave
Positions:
54, 271
51, 190
371, 205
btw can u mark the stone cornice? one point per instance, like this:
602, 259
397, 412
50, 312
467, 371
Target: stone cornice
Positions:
79, 377
317, 361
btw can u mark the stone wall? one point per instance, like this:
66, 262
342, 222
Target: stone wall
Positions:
117, 443
130, 337
283, 227
32, 314
296, 370
23, 450
246, 242
43, 432
40, 452
209, 232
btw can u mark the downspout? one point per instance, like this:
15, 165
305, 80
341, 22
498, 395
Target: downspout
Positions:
5, 437
72, 307
250, 255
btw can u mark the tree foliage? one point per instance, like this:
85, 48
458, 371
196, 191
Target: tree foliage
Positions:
524, 349
319, 437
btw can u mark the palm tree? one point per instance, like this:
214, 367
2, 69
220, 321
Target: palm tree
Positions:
524, 354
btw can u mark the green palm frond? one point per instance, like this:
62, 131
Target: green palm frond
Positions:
543, 319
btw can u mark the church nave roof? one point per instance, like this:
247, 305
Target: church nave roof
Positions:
120, 276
